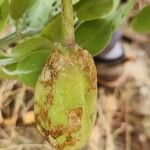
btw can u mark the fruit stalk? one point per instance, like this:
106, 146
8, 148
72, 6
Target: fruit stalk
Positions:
67, 34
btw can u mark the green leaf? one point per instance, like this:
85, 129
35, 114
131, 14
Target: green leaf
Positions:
1, 1
94, 9
53, 30
141, 23
94, 35
121, 13
39, 13
8, 72
30, 67
24, 49
3, 55
75, 1
4, 13
30, 45
18, 7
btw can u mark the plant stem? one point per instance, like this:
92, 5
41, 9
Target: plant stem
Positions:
67, 34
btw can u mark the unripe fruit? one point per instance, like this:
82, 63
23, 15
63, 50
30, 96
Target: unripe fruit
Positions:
65, 99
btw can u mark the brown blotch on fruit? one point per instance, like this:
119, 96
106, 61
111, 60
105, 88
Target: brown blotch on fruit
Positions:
87, 64
37, 118
70, 140
54, 65
56, 132
50, 98
60, 146
75, 117
42, 115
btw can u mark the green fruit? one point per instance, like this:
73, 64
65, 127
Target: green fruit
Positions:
65, 99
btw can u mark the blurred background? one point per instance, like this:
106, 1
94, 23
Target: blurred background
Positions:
123, 120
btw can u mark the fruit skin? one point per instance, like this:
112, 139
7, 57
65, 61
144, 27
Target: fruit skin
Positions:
65, 99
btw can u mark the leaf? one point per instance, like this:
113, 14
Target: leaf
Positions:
141, 22
7, 61
18, 7
39, 13
75, 1
94, 35
3, 55
30, 45
31, 66
53, 30
25, 48
8, 72
4, 13
121, 13
94, 9
1, 1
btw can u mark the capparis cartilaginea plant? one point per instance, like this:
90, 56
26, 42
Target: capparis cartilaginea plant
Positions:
50, 48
